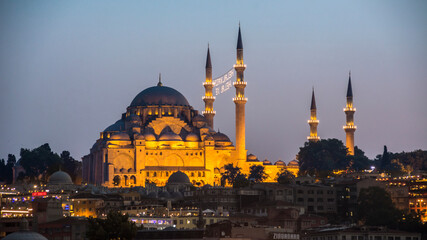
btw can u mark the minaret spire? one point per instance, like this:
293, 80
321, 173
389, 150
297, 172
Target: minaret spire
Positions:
209, 99
313, 122
349, 127
240, 101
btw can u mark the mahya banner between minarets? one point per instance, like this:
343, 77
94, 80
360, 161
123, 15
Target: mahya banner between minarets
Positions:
223, 83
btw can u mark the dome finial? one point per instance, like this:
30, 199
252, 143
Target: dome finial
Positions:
160, 80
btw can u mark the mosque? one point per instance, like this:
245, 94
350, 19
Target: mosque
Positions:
160, 134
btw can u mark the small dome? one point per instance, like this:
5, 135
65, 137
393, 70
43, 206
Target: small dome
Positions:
252, 157
149, 136
177, 195
293, 163
159, 95
179, 178
220, 137
164, 195
120, 136
280, 163
170, 136
266, 162
116, 127
192, 137
207, 137
60, 177
139, 137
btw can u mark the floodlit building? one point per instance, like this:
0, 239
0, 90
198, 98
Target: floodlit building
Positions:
160, 133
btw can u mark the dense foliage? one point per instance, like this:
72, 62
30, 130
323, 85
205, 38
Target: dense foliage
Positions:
402, 163
322, 157
6, 172
39, 164
233, 176
375, 208
116, 226
285, 177
257, 173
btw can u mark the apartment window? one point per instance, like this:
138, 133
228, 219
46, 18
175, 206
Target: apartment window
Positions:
311, 200
320, 200
181, 221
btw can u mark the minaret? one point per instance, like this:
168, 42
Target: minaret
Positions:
313, 122
349, 127
209, 113
240, 100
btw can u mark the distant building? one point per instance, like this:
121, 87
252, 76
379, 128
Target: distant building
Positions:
358, 233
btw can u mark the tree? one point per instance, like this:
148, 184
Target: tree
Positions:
359, 161
241, 181
257, 173
322, 157
6, 168
388, 164
39, 163
71, 166
375, 208
116, 226
285, 177
229, 175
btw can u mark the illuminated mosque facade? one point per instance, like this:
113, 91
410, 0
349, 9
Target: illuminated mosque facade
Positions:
161, 134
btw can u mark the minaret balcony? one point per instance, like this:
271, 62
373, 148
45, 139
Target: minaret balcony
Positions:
240, 99
349, 127
208, 112
239, 83
349, 109
313, 121
208, 97
239, 66
208, 83
313, 138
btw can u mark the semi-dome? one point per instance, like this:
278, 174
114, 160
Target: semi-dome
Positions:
60, 177
159, 95
179, 178
170, 136
120, 136
117, 126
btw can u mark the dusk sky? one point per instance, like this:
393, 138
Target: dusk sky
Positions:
69, 69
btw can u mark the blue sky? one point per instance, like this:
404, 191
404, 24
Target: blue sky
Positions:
68, 69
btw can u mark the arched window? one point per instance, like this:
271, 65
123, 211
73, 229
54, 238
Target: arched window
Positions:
133, 180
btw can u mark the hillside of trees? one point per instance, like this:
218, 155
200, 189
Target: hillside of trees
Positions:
39, 163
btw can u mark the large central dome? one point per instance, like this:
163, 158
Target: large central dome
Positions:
159, 95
